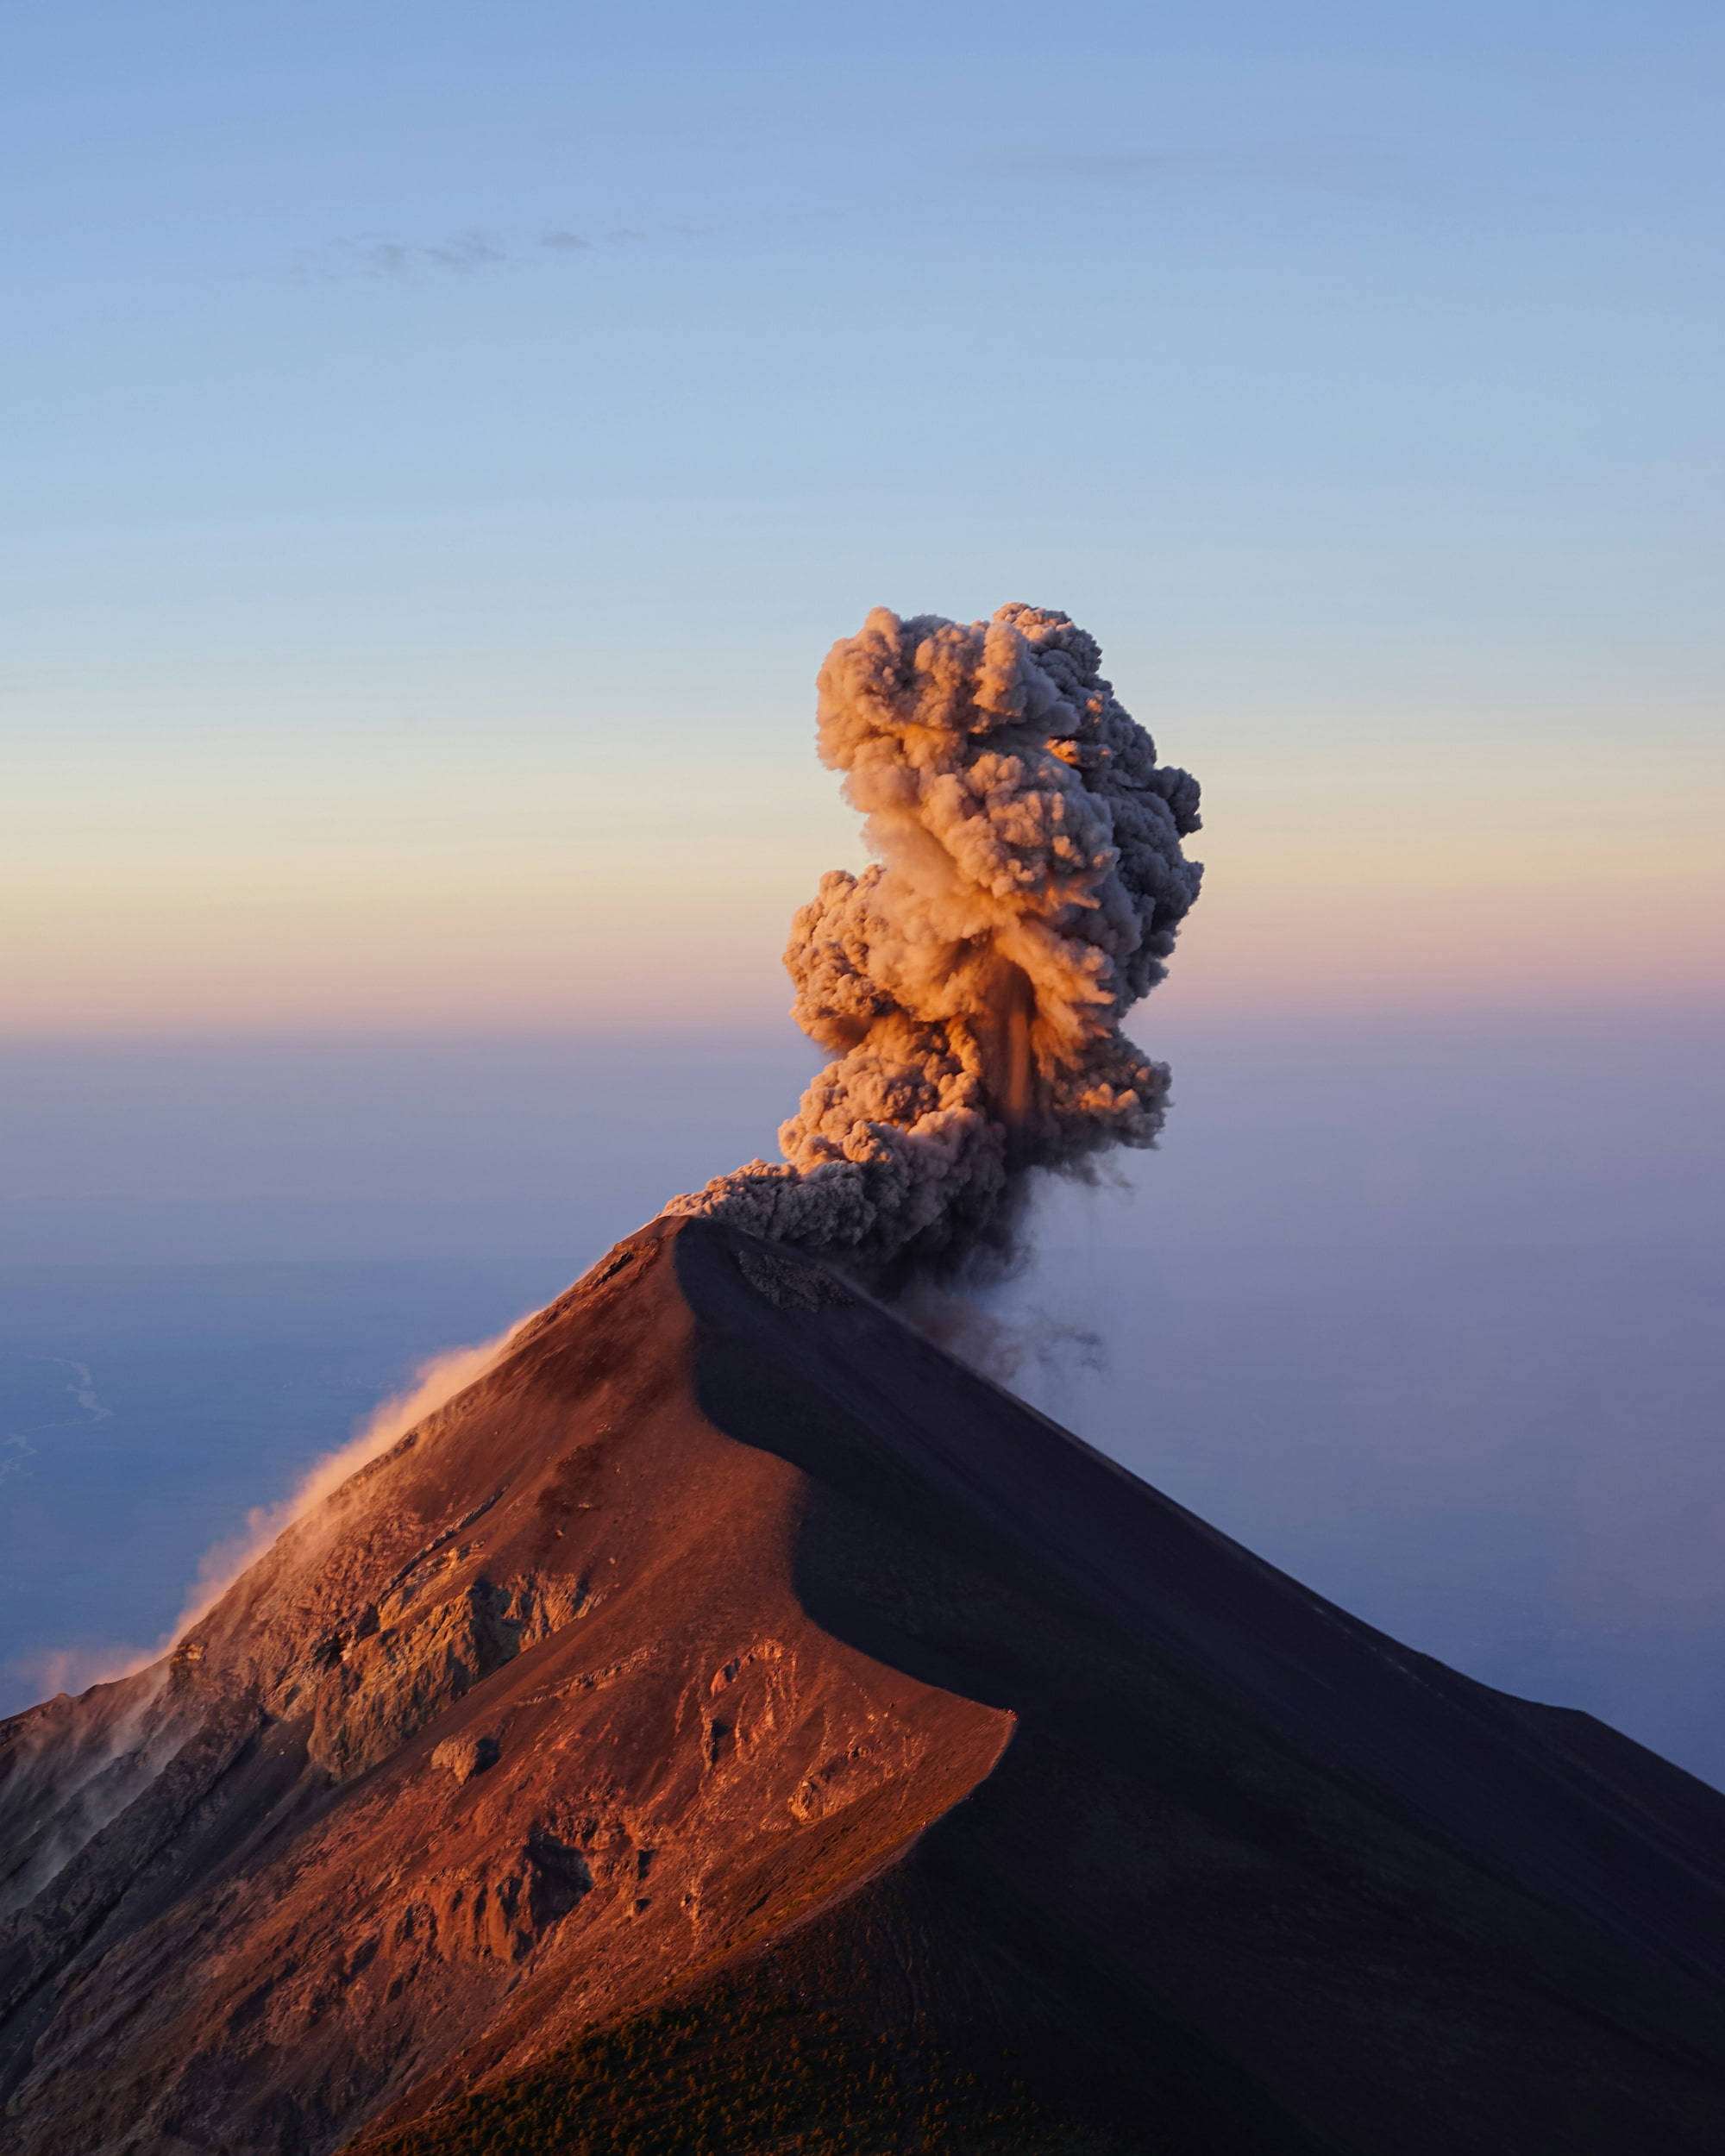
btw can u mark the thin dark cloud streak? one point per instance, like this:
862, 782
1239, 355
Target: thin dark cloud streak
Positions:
467, 254
1077, 166
1296, 164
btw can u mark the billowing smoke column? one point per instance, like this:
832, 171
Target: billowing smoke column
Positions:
971, 984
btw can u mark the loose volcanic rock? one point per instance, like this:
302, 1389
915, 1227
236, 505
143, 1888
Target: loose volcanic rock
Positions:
465, 1756
732, 1723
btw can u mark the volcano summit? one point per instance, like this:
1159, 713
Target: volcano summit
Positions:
730, 1724
731, 1727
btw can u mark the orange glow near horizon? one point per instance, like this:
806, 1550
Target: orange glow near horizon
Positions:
349, 961
352, 888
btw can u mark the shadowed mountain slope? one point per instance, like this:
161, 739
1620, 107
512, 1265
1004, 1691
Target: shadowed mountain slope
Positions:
731, 1724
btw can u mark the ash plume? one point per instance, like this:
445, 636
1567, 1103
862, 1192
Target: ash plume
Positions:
972, 983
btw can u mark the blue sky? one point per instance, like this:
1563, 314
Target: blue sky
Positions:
400, 592
441, 443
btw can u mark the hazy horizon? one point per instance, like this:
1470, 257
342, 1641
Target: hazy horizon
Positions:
453, 446
1422, 1314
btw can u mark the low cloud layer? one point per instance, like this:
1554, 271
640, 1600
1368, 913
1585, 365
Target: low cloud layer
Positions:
971, 984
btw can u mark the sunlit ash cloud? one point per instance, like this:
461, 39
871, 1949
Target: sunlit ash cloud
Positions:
972, 984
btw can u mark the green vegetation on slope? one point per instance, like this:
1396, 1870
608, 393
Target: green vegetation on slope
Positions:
938, 2012
735, 2073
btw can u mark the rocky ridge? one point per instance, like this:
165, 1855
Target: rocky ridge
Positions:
731, 1724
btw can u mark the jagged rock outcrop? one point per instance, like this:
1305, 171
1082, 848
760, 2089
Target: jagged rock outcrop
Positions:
732, 1724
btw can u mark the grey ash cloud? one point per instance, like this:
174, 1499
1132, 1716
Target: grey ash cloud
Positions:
1028, 885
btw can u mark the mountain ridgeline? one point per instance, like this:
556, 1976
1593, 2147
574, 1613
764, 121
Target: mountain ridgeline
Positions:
732, 1724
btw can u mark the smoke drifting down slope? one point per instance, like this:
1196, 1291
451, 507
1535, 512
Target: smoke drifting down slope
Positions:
972, 984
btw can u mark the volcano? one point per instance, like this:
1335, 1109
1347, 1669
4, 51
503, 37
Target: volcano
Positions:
731, 1724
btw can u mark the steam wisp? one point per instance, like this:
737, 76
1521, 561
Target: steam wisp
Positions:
972, 983
436, 1380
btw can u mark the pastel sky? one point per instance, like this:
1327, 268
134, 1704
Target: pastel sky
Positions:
443, 442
